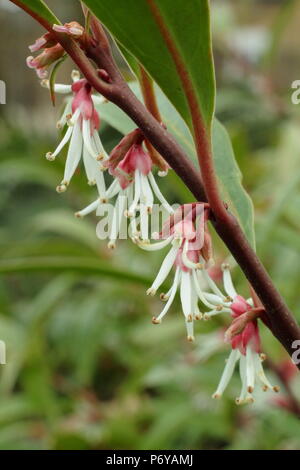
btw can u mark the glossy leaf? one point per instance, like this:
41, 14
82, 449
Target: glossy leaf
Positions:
134, 25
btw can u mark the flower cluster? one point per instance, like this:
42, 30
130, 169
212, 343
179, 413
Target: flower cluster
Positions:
134, 192
134, 187
83, 123
190, 255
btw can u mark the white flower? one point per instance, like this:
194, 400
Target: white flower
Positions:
82, 135
191, 278
245, 348
135, 190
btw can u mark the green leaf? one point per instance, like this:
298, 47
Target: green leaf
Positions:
230, 180
187, 24
40, 9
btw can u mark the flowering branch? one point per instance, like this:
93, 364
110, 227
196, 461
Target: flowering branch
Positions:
107, 80
282, 323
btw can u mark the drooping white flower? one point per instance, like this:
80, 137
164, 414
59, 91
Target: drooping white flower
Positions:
82, 135
134, 188
246, 350
192, 280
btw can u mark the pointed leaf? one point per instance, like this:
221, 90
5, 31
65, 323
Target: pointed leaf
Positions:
150, 29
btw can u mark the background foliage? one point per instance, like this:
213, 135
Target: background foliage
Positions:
86, 368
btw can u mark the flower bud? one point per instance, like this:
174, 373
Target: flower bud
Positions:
119, 152
45, 41
239, 306
43, 60
73, 29
237, 326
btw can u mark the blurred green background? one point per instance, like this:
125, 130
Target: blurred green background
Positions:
85, 368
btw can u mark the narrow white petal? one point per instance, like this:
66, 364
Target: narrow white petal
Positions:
197, 315
100, 181
212, 284
99, 147
227, 373
186, 261
74, 118
94, 173
118, 214
199, 291
63, 89
74, 153
67, 110
250, 370
227, 281
213, 313
130, 192
90, 165
146, 192
63, 142
113, 190
186, 294
133, 231
155, 246
122, 206
164, 270
114, 224
90, 208
173, 291
213, 298
260, 374
245, 396
190, 330
88, 142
